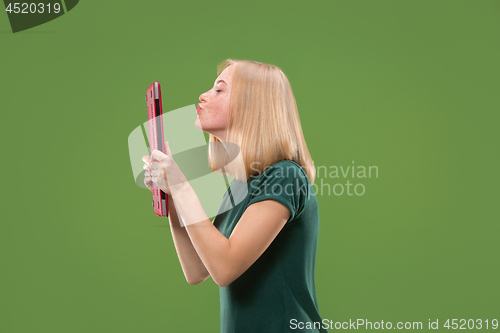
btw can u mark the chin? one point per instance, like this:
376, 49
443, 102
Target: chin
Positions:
198, 125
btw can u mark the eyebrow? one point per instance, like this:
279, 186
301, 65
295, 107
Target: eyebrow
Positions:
220, 80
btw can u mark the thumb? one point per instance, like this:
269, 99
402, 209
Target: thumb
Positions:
167, 149
158, 155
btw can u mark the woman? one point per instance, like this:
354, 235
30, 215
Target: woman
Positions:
261, 250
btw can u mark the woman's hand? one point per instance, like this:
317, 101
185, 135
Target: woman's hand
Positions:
164, 172
147, 174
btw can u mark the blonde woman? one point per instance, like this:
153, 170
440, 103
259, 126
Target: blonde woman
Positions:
261, 252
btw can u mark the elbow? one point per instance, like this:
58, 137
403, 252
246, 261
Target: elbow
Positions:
224, 273
193, 281
223, 280
222, 283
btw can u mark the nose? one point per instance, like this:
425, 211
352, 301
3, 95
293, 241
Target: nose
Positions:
203, 97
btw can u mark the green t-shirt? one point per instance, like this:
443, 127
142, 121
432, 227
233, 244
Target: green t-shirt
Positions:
278, 291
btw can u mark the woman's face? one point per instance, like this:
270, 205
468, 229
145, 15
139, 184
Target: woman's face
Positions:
213, 109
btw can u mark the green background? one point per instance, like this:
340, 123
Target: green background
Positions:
409, 86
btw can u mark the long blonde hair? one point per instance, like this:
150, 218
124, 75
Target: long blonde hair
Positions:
263, 122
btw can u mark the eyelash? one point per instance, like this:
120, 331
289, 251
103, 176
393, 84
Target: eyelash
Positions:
218, 90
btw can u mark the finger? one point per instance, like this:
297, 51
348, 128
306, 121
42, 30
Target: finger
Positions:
167, 149
146, 159
158, 155
155, 166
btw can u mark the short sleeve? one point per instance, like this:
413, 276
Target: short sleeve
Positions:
285, 182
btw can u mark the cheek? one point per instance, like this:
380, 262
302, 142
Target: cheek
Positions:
219, 115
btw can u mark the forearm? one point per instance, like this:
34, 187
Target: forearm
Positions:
192, 266
212, 247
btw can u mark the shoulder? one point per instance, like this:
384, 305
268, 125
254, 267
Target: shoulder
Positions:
283, 169
290, 169
286, 182
282, 174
